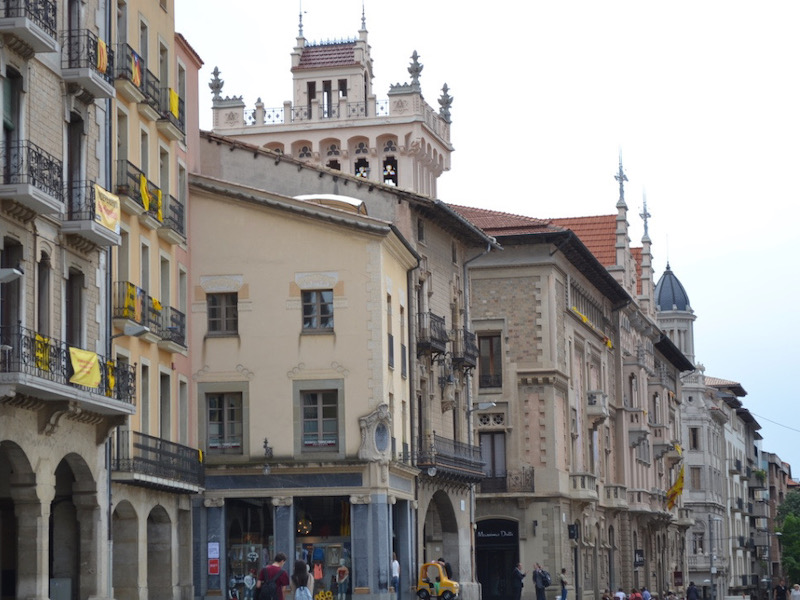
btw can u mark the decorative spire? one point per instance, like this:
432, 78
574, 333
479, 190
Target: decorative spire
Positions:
415, 69
621, 178
644, 214
300, 26
216, 84
445, 102
363, 17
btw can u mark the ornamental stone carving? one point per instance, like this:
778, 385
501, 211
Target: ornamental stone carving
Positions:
376, 435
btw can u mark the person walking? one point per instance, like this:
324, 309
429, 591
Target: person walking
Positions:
692, 593
396, 575
795, 593
780, 590
620, 594
517, 582
301, 579
539, 581
563, 580
274, 573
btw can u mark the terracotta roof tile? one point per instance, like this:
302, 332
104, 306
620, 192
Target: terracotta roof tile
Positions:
598, 234
498, 223
327, 55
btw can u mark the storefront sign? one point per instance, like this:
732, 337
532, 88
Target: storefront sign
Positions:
213, 566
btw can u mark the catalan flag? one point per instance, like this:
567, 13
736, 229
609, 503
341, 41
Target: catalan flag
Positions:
102, 56
136, 69
675, 491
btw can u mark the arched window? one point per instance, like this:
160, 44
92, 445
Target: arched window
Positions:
390, 170
362, 168
305, 152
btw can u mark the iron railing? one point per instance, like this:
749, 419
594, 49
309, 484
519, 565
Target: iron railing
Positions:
172, 326
144, 454
23, 350
134, 304
166, 110
152, 89
490, 381
465, 349
431, 333
41, 12
130, 183
174, 217
455, 459
130, 66
81, 201
81, 50
24, 162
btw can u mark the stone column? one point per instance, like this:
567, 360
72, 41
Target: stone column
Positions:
33, 548
90, 524
215, 522
284, 527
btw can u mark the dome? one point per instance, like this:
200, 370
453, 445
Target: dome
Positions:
670, 294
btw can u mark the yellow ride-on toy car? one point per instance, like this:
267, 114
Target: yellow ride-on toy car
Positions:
433, 583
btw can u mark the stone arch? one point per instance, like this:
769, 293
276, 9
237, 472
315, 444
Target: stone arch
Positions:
159, 553
125, 533
303, 150
440, 531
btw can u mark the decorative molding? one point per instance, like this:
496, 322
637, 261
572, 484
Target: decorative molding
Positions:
214, 502
282, 500
363, 499
315, 281
221, 283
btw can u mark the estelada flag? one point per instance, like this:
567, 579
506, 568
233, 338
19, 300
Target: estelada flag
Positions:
136, 69
106, 208
86, 368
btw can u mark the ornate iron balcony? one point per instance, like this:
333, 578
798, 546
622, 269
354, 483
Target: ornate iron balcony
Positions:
451, 459
32, 21
156, 462
131, 182
172, 327
24, 163
465, 349
431, 334
174, 217
26, 352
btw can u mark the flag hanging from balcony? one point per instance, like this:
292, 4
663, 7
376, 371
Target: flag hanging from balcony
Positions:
677, 488
159, 212
143, 192
136, 69
86, 368
110, 379
102, 56
173, 103
106, 208
42, 351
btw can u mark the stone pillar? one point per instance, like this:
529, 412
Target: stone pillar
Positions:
403, 527
381, 571
215, 522
33, 548
284, 527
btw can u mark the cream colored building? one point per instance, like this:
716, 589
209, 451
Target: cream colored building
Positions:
61, 393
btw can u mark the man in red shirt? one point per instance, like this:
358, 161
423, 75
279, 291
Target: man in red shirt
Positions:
274, 572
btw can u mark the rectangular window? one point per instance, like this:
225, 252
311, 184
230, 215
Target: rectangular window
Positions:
696, 478
318, 310
343, 88
223, 314
389, 329
698, 543
694, 438
493, 454
225, 423
420, 230
74, 308
490, 368
320, 419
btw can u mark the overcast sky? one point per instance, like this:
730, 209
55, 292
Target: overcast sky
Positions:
702, 99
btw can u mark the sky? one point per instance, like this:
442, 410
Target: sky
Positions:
701, 100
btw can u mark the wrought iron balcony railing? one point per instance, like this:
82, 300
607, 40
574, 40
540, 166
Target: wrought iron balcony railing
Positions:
23, 162
174, 217
41, 12
132, 303
465, 349
516, 481
431, 334
152, 89
131, 182
490, 380
155, 462
448, 458
172, 326
173, 109
130, 65
83, 49
27, 352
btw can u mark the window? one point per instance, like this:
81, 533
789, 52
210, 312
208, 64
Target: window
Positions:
390, 171
343, 88
74, 308
698, 543
318, 310
694, 438
225, 423
493, 453
320, 419
695, 476
490, 369
420, 230
223, 314
362, 168
389, 329
43, 272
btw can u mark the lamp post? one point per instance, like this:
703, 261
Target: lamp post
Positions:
712, 569
478, 406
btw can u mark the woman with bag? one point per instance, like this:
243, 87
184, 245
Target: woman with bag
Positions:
302, 584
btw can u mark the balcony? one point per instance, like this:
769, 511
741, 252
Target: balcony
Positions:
31, 177
129, 78
172, 122
734, 466
583, 486
172, 330
514, 482
685, 519
139, 196
90, 216
596, 407
431, 334
40, 367
465, 350
453, 460
32, 23
173, 229
87, 62
133, 306
147, 461
149, 107
615, 496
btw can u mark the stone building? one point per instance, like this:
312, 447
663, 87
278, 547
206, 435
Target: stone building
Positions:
580, 440
61, 392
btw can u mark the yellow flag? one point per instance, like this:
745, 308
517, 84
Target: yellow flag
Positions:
159, 212
86, 367
42, 352
173, 103
675, 491
110, 379
136, 69
102, 56
106, 209
143, 192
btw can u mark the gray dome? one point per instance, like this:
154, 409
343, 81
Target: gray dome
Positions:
670, 294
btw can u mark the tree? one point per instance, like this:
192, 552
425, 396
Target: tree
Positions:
790, 545
790, 505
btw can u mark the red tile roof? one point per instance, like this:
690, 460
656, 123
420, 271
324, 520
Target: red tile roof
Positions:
598, 234
327, 55
497, 223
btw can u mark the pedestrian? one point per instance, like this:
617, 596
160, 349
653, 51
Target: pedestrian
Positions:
396, 575
539, 581
517, 582
620, 595
606, 594
692, 593
780, 590
795, 593
447, 568
635, 595
646, 594
563, 579
274, 573
302, 584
